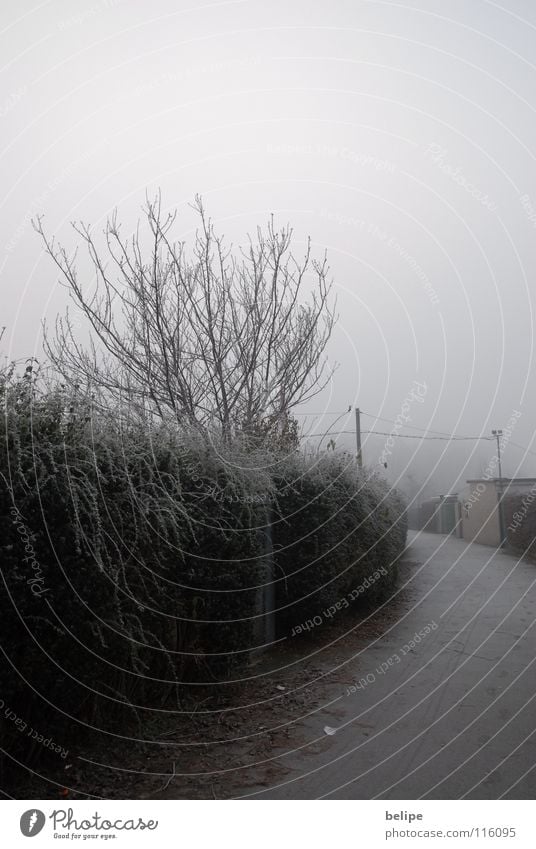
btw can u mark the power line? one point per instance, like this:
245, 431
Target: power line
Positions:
411, 427
442, 436
516, 444
326, 413
329, 433
382, 419
400, 435
438, 438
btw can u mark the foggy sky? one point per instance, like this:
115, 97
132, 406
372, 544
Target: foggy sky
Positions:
400, 136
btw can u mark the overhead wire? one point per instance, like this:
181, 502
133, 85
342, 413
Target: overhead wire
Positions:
402, 435
442, 436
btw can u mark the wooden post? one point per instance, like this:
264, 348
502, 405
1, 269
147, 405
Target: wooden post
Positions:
358, 437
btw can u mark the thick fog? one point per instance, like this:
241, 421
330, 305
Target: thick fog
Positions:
399, 136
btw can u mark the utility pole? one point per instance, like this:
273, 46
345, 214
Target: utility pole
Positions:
358, 437
497, 434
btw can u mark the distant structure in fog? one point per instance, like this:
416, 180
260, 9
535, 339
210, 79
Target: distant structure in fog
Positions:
477, 513
441, 515
482, 521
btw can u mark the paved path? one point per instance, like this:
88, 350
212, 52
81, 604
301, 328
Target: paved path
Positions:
454, 714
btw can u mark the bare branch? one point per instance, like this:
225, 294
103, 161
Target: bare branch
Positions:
213, 339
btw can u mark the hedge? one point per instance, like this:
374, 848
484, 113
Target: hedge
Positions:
333, 531
520, 522
127, 554
134, 558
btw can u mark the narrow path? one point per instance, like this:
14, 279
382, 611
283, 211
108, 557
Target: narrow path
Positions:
449, 713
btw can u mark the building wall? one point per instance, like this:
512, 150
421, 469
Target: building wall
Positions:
450, 515
440, 515
429, 515
480, 516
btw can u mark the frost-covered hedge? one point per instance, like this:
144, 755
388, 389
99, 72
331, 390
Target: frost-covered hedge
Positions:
127, 554
337, 535
520, 522
135, 558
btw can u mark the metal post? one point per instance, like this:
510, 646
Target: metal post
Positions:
497, 434
358, 437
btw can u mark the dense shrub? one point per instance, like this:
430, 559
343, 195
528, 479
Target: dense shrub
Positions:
520, 522
333, 529
127, 553
135, 558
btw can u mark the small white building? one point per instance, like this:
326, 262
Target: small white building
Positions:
480, 501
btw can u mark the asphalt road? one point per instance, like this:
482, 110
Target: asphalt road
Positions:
448, 714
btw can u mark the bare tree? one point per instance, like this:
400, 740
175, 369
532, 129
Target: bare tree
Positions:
212, 338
